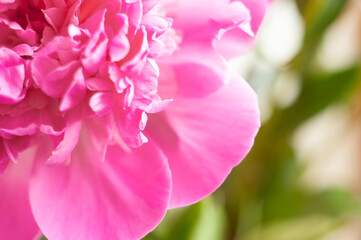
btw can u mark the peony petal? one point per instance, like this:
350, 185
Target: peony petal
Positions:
205, 138
237, 41
257, 10
131, 122
211, 17
74, 93
70, 139
94, 59
15, 145
123, 197
23, 50
16, 221
137, 53
12, 74
198, 69
52, 77
4, 158
148, 5
119, 43
102, 102
55, 17
101, 133
31, 122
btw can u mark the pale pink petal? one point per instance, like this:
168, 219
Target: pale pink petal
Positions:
16, 221
148, 5
123, 197
257, 10
237, 41
146, 82
156, 24
7, 1
197, 68
102, 102
203, 19
158, 106
205, 138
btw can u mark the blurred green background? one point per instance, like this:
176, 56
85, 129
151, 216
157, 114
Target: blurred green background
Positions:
302, 179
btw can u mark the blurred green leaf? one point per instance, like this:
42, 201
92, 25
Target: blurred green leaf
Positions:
301, 4
304, 228
202, 221
335, 202
319, 14
319, 92
178, 224
211, 223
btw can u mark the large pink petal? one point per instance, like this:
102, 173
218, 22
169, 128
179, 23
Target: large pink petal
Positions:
16, 219
203, 19
237, 41
197, 69
123, 197
204, 138
257, 10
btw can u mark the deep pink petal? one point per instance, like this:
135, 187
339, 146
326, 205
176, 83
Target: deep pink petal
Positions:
205, 138
74, 93
12, 74
123, 197
55, 16
131, 122
52, 77
14, 146
16, 219
4, 158
31, 122
137, 53
69, 139
119, 43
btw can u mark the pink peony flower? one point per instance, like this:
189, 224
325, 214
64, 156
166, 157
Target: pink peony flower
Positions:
114, 111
